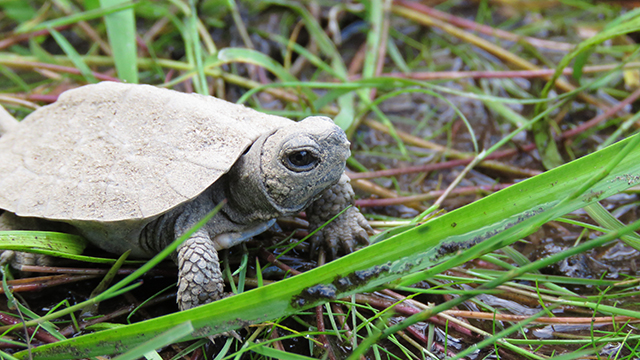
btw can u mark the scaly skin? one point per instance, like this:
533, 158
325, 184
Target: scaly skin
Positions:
345, 230
200, 278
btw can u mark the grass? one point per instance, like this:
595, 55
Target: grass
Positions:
435, 100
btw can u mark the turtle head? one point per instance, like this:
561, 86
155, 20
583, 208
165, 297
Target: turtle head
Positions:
290, 167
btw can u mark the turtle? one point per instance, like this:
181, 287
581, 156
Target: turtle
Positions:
132, 167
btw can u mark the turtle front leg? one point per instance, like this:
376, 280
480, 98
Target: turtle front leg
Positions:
199, 277
349, 227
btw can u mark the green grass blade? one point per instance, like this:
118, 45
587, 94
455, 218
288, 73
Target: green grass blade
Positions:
374, 36
73, 55
622, 28
104, 284
47, 326
603, 217
345, 117
72, 19
194, 37
51, 243
257, 58
15, 78
484, 224
168, 337
121, 30
6, 356
45, 240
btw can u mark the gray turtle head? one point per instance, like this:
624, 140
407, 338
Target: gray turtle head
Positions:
287, 169
299, 162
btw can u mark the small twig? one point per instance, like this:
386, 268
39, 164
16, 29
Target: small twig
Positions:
320, 318
488, 30
498, 74
382, 49
375, 189
600, 118
420, 13
544, 320
17, 63
39, 283
39, 334
125, 310
416, 141
406, 308
272, 259
428, 167
322, 337
157, 28
357, 61
89, 271
16, 100
455, 182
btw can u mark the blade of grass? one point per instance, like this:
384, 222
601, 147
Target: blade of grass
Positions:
15, 78
121, 30
168, 337
73, 56
72, 19
620, 28
228, 55
6, 356
106, 281
21, 240
604, 218
193, 36
345, 117
51, 243
48, 326
375, 16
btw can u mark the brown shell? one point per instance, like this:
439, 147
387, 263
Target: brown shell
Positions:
112, 151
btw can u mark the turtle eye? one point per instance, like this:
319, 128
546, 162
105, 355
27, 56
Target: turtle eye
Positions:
301, 160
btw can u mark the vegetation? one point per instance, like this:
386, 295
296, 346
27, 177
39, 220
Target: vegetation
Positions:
493, 148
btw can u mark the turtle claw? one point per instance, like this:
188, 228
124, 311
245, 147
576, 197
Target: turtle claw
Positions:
343, 234
347, 229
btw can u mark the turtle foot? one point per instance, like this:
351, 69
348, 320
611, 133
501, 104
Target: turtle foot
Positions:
199, 279
343, 232
17, 259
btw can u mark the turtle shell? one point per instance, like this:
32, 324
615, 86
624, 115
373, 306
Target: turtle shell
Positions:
113, 151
